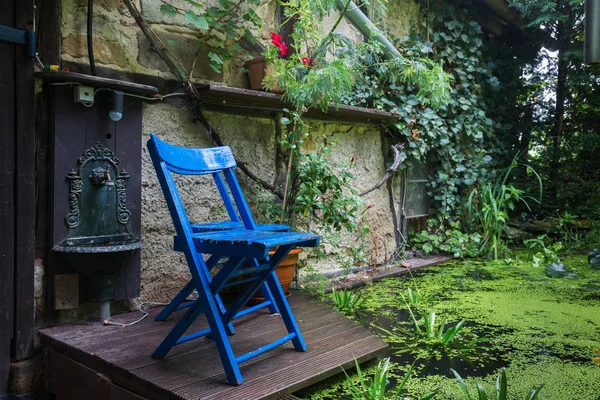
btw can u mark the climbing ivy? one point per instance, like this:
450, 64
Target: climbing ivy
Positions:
464, 139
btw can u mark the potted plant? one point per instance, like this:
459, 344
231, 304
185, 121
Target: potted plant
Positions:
317, 193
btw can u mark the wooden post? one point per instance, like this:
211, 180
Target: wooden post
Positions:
24, 189
7, 211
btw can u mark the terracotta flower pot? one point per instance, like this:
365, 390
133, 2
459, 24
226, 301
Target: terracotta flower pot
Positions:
257, 70
285, 273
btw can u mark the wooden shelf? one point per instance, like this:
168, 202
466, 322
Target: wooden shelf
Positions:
223, 96
97, 82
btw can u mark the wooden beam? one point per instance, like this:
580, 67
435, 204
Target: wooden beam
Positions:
25, 189
7, 222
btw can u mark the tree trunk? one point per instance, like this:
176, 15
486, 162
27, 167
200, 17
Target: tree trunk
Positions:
559, 113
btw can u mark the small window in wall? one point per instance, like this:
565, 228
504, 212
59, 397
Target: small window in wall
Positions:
413, 201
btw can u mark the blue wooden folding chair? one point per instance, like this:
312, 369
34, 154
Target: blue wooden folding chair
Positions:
240, 246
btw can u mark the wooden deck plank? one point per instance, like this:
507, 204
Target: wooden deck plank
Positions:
120, 351
277, 371
193, 370
300, 375
182, 371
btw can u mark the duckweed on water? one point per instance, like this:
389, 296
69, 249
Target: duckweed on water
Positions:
542, 329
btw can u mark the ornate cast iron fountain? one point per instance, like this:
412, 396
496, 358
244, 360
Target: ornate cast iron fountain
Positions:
99, 241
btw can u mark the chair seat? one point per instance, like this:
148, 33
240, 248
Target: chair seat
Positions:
246, 243
228, 225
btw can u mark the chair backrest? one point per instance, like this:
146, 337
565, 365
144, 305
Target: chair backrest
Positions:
218, 161
187, 161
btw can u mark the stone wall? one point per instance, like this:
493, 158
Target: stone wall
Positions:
118, 44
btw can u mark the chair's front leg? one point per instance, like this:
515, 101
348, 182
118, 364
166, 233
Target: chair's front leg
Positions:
286, 312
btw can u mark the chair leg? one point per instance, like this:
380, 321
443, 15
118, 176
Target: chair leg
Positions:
179, 329
286, 312
230, 365
177, 300
266, 291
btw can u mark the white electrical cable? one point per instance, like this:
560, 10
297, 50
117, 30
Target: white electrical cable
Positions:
126, 94
154, 98
140, 309
65, 83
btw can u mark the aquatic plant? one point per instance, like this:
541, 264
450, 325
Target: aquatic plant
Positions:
489, 203
416, 299
435, 333
501, 388
346, 300
375, 388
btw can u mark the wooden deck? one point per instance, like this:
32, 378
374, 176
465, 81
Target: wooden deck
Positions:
108, 362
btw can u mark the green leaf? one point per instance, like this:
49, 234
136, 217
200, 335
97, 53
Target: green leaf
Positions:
168, 10
462, 384
171, 42
214, 58
199, 21
285, 121
481, 392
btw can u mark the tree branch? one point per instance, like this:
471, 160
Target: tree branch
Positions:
398, 159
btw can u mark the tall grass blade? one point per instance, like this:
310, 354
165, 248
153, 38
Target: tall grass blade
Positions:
481, 392
462, 384
501, 386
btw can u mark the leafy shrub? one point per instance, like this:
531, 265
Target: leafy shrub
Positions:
448, 239
542, 252
488, 206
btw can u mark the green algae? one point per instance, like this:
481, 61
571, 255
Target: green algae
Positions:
541, 329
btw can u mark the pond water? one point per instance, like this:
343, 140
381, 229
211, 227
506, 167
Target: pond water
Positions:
543, 330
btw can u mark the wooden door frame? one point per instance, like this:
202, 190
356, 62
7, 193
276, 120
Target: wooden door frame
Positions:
17, 193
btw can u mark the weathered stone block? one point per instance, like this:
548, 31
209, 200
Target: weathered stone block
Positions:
104, 52
38, 278
108, 5
184, 48
26, 376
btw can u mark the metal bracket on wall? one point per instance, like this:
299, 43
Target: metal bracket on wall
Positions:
20, 37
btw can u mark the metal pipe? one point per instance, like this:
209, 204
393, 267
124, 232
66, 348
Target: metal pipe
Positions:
592, 32
90, 36
104, 311
368, 28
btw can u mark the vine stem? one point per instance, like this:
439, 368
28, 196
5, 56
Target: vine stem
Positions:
331, 31
193, 95
390, 171
286, 187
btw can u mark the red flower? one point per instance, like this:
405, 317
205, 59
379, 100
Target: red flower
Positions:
276, 39
278, 42
369, 206
282, 49
306, 61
